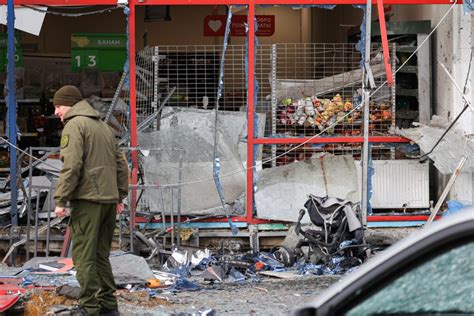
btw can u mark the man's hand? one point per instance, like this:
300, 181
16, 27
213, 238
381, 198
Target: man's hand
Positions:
120, 207
61, 211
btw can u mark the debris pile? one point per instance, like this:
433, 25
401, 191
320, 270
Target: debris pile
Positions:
48, 285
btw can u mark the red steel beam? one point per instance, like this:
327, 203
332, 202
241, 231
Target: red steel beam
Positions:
63, 3
320, 140
283, 2
250, 110
309, 2
222, 2
383, 35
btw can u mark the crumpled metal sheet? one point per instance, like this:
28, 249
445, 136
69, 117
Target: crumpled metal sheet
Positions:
193, 131
283, 191
450, 150
232, 124
468, 6
200, 193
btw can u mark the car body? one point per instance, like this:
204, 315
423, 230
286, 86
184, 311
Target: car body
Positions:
428, 273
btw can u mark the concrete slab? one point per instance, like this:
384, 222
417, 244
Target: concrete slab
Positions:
231, 123
282, 191
131, 265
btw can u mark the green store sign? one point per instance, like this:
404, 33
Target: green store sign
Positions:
4, 52
106, 52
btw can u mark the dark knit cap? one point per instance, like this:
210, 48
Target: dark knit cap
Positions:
67, 95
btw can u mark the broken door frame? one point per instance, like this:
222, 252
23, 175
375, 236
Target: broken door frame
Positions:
252, 141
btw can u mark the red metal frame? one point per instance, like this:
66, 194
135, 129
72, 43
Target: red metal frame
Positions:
131, 3
383, 34
251, 69
250, 111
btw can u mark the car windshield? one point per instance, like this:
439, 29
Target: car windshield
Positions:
444, 284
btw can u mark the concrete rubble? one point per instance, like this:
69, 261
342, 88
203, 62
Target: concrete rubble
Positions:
282, 191
450, 150
53, 278
170, 271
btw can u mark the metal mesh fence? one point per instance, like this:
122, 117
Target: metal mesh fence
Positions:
193, 71
303, 88
315, 89
316, 84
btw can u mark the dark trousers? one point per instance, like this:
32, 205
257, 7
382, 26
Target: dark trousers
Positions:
92, 228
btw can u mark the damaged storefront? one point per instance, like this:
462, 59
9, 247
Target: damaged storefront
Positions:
256, 163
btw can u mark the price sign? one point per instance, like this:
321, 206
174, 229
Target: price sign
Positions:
4, 52
106, 52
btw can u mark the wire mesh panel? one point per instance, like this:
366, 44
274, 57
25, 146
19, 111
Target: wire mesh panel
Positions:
303, 88
316, 85
316, 89
188, 75
194, 71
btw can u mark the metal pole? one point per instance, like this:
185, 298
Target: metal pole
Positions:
180, 181
393, 97
365, 146
48, 231
11, 104
171, 190
156, 98
250, 109
446, 190
116, 96
38, 194
274, 100
28, 216
133, 117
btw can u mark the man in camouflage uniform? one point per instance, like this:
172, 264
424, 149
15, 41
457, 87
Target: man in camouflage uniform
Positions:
93, 180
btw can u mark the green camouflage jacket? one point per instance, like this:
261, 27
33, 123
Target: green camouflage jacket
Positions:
94, 168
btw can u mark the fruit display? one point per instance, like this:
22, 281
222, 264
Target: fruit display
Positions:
312, 112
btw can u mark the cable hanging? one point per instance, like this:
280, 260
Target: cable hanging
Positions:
74, 15
425, 157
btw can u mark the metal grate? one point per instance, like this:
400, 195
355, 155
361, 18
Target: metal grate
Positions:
303, 88
315, 85
289, 153
193, 70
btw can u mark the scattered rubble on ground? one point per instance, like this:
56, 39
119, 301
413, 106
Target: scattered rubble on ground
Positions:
48, 284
